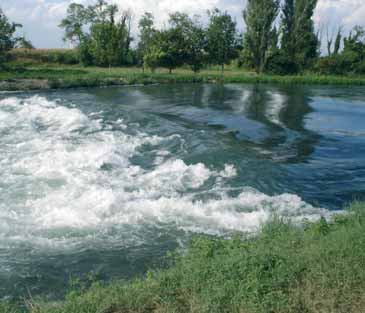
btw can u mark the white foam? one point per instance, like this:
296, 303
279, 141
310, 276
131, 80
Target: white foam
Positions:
53, 178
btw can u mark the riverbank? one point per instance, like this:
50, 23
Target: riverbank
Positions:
315, 268
51, 76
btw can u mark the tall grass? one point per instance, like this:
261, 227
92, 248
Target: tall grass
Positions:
285, 268
59, 56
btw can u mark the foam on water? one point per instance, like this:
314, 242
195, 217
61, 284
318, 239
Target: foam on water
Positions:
67, 178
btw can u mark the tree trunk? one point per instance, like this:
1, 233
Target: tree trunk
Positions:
222, 69
170, 71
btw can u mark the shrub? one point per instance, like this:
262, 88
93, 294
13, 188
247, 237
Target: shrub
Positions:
340, 64
280, 64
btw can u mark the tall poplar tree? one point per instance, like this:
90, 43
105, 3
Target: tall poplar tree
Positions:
299, 41
259, 17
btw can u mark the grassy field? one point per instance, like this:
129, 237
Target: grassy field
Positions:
24, 74
317, 268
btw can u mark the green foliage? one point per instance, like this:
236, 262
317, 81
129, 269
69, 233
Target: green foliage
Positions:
102, 35
152, 59
84, 52
6, 307
355, 44
101, 39
23, 43
183, 42
222, 40
172, 42
195, 41
299, 42
350, 61
338, 41
335, 64
146, 37
109, 41
7, 38
260, 38
77, 18
26, 75
279, 63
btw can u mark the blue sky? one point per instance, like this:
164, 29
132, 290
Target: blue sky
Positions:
40, 18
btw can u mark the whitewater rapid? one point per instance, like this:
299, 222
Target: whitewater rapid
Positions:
68, 179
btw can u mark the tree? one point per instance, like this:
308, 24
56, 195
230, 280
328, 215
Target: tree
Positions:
288, 29
24, 43
338, 41
7, 37
101, 38
307, 43
196, 45
222, 39
152, 58
299, 42
77, 18
259, 17
191, 40
147, 33
110, 38
172, 41
329, 43
355, 43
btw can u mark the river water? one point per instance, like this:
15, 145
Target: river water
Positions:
108, 180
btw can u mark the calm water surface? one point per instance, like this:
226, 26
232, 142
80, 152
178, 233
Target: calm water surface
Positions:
107, 180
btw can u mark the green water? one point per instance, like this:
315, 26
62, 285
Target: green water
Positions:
108, 180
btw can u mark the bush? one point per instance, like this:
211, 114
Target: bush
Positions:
85, 55
359, 68
339, 64
280, 64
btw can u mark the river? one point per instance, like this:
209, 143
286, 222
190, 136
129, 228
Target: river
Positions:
107, 180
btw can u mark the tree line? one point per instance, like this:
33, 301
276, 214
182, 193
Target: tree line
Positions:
279, 38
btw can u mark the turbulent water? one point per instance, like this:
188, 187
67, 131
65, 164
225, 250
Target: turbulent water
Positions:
107, 180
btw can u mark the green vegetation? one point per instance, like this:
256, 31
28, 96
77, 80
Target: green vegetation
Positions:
350, 60
318, 267
7, 38
261, 37
33, 76
24, 56
213, 51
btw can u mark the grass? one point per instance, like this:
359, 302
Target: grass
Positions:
41, 56
285, 268
55, 75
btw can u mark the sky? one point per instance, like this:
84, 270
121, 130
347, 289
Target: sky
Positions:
40, 18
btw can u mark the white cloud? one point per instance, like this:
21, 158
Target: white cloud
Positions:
346, 13
41, 17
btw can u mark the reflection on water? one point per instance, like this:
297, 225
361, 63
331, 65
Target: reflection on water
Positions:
107, 180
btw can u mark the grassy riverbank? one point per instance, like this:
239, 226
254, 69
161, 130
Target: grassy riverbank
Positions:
28, 76
317, 268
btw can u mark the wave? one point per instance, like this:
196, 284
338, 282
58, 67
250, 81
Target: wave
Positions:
69, 177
